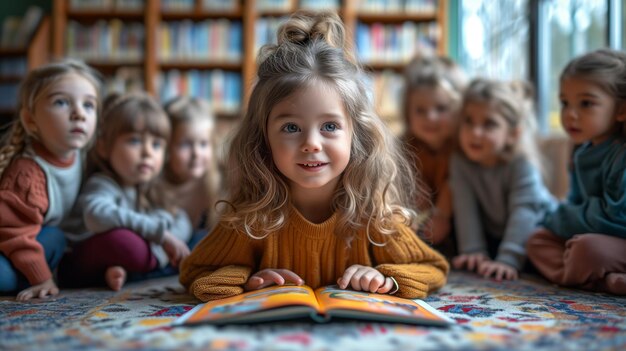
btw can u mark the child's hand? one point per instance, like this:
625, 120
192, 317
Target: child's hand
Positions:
40, 290
269, 276
364, 278
471, 262
497, 269
175, 249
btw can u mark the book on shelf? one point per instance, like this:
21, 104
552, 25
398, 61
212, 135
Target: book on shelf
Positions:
17, 31
290, 302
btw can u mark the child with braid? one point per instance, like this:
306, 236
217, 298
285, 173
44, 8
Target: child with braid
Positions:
41, 172
320, 189
123, 224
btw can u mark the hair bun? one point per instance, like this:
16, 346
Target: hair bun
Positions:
305, 26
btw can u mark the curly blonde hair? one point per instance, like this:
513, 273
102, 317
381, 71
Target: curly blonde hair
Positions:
30, 90
377, 188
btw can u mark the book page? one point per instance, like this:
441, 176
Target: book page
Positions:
251, 303
333, 299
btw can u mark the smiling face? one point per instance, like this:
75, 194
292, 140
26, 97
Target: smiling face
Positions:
309, 134
64, 115
484, 133
190, 151
431, 116
136, 157
588, 113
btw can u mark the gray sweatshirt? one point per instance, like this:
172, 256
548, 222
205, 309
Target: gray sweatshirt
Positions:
104, 205
506, 201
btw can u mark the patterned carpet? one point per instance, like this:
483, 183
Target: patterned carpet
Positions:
522, 315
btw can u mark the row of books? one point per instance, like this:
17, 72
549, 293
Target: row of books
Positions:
215, 40
188, 5
8, 95
16, 31
397, 6
394, 43
120, 5
11, 67
105, 40
222, 88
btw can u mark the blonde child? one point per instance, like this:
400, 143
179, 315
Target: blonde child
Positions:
319, 186
495, 179
41, 171
433, 90
124, 224
191, 171
583, 242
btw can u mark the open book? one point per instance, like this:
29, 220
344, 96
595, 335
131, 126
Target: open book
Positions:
296, 302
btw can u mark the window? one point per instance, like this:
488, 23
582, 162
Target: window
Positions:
495, 38
534, 40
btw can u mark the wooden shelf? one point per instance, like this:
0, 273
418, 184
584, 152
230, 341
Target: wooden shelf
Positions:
154, 15
393, 18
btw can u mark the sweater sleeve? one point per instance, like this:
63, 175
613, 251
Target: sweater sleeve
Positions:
220, 265
525, 211
418, 269
604, 214
467, 219
23, 204
104, 211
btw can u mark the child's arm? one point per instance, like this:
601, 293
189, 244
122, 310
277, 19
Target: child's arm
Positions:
101, 200
528, 201
23, 204
467, 222
220, 265
416, 267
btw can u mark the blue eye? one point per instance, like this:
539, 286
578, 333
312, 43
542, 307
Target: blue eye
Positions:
89, 105
60, 102
290, 128
157, 144
330, 127
134, 140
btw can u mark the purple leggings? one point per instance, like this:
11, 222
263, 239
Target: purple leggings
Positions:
89, 260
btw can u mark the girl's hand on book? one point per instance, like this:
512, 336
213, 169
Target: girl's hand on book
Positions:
42, 290
471, 262
269, 276
364, 278
498, 270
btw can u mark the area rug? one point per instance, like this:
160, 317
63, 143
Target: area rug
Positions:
528, 314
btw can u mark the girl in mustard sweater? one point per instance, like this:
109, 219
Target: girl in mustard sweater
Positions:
320, 192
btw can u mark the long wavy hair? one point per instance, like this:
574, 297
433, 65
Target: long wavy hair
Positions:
377, 189
607, 69
34, 84
130, 113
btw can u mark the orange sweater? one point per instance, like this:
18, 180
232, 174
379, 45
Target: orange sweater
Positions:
222, 263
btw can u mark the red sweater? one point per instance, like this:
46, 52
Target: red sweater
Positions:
23, 206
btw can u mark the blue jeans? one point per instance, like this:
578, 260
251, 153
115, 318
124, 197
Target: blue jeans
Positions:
53, 241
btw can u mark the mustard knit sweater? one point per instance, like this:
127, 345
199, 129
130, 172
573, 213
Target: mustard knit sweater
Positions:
222, 263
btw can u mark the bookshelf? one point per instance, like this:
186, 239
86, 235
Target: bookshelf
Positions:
15, 62
171, 55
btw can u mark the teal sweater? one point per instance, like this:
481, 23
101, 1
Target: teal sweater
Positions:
597, 199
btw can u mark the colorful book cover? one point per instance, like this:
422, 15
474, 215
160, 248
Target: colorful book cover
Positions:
292, 302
